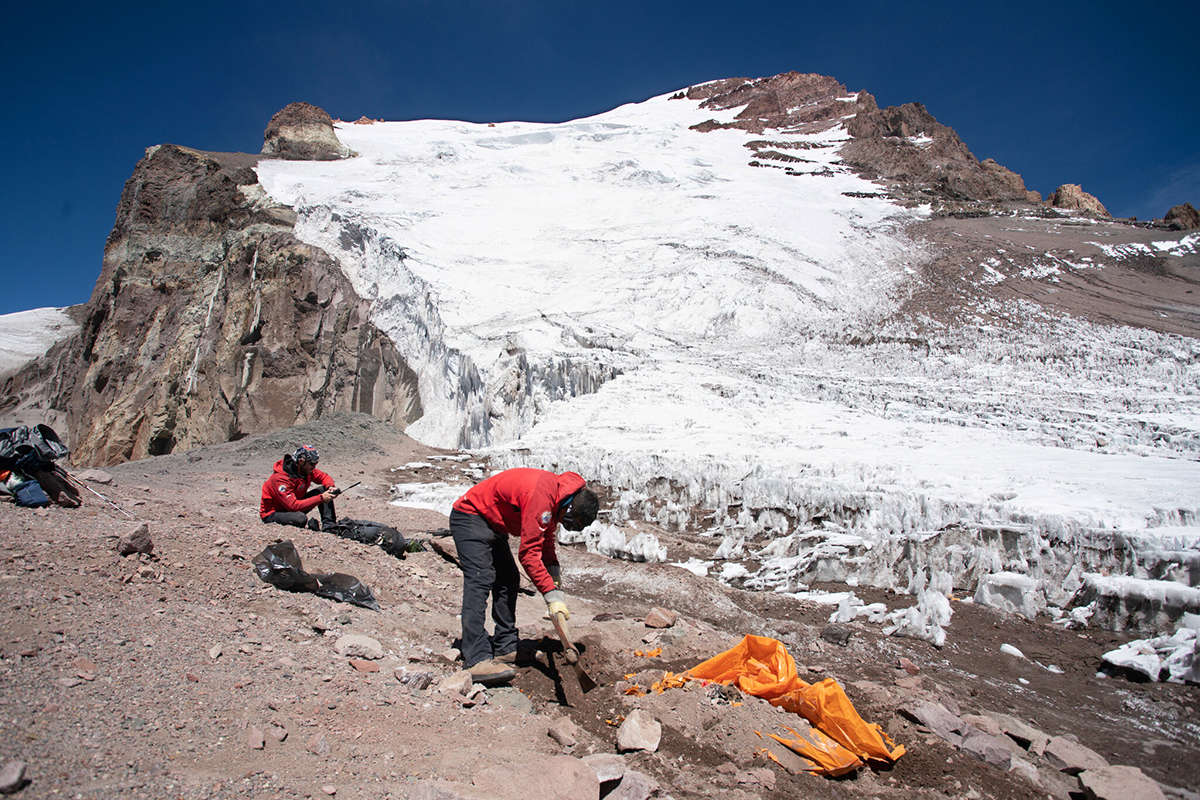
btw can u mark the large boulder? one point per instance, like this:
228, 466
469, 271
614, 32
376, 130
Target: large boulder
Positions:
1072, 196
303, 132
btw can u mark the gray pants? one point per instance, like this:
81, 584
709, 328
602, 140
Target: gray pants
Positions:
489, 570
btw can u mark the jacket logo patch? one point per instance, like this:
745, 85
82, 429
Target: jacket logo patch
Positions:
546, 517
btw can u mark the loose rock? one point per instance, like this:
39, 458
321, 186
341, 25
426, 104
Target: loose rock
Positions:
136, 540
317, 745
564, 731
639, 731
660, 618
1119, 783
12, 777
255, 738
355, 645
639, 786
1072, 757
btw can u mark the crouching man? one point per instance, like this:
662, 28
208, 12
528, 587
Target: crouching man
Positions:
528, 504
286, 498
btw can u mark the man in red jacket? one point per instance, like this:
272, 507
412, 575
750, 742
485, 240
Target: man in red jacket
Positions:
528, 504
286, 499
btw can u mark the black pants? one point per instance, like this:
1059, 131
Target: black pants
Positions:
299, 518
488, 570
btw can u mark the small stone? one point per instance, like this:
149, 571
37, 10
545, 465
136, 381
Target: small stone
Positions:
12, 777
255, 738
277, 733
30, 652
364, 666
317, 745
136, 540
355, 645
329, 789
660, 618
94, 476
835, 633
908, 666
458, 684
214, 652
639, 786
69, 683
608, 766
564, 731
1119, 783
910, 682
639, 731
84, 664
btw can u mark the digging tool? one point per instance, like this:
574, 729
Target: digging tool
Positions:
336, 492
572, 653
83, 485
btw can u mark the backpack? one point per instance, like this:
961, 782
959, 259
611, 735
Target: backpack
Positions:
26, 449
390, 540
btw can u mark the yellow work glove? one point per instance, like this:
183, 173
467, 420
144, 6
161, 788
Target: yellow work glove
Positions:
556, 603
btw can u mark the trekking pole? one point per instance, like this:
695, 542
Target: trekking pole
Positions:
336, 492
82, 485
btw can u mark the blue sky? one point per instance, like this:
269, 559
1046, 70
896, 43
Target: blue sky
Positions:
1097, 93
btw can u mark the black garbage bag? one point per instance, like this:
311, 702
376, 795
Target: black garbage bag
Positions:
25, 448
279, 565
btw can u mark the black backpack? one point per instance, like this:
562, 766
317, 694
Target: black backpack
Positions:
390, 540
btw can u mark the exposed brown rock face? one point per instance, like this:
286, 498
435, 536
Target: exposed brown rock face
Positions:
1072, 196
907, 145
1182, 218
211, 321
303, 132
903, 145
783, 101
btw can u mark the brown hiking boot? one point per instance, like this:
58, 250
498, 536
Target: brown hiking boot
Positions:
491, 672
507, 658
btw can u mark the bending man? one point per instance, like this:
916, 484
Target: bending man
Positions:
286, 498
528, 504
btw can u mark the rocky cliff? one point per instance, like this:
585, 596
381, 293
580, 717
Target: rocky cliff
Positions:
210, 321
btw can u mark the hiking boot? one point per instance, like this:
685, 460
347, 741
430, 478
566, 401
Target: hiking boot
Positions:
491, 672
507, 658
313, 525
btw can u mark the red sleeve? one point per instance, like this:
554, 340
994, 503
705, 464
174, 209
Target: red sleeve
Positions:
539, 521
323, 478
284, 495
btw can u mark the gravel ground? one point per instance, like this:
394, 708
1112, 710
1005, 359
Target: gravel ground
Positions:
181, 675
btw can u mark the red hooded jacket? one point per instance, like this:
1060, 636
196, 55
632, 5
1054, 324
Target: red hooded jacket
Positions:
285, 489
526, 503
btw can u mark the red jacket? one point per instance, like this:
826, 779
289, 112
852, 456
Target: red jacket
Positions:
526, 503
285, 489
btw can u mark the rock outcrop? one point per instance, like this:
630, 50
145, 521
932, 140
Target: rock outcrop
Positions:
919, 158
1072, 196
303, 132
210, 321
907, 145
1182, 218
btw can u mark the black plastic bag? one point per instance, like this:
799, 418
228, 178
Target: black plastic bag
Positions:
279, 565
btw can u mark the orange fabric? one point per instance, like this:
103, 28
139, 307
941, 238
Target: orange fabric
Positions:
827, 756
761, 667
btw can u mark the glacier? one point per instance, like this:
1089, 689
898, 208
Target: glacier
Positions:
719, 346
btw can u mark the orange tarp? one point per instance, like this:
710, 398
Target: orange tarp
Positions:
761, 667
